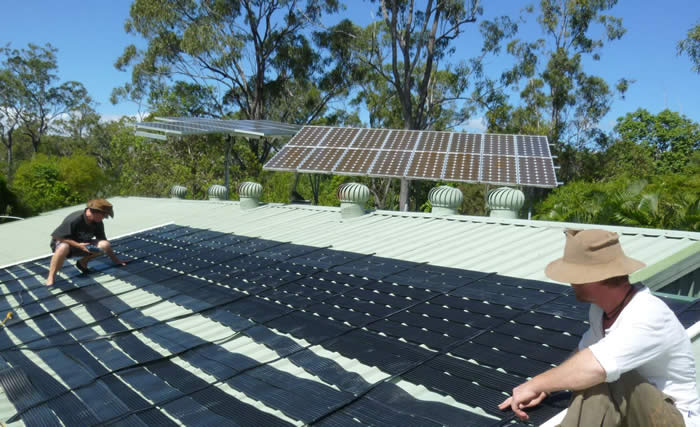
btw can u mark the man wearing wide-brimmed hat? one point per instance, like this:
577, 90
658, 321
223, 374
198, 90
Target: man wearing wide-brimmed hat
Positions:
82, 233
634, 366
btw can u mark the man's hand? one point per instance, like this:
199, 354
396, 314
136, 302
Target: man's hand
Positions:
84, 247
523, 397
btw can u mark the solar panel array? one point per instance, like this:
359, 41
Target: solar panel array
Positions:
447, 156
199, 126
207, 328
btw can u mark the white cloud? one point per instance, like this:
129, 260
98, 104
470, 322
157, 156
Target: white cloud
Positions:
116, 117
475, 125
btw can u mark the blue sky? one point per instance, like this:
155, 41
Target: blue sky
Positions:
90, 36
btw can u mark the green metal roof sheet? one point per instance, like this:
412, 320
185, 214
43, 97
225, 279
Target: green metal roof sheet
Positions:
517, 248
512, 247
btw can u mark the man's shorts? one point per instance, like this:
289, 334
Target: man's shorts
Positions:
76, 252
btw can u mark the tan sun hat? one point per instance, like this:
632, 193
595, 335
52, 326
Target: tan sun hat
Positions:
101, 205
591, 256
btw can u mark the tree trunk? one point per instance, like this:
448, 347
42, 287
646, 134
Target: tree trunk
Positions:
380, 190
7, 141
403, 198
294, 196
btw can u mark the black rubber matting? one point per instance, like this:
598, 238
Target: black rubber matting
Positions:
303, 325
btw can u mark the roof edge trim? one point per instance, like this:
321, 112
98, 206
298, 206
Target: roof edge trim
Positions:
658, 275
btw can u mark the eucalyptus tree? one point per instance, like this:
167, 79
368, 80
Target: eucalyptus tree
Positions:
691, 47
33, 96
556, 90
10, 111
410, 77
247, 58
408, 54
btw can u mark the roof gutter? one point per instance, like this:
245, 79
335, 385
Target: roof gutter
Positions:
669, 269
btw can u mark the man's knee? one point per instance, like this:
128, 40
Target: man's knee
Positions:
592, 406
632, 384
104, 245
62, 250
642, 403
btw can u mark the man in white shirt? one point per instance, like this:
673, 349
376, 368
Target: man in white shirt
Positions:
634, 366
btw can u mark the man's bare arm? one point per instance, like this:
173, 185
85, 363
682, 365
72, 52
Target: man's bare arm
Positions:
579, 372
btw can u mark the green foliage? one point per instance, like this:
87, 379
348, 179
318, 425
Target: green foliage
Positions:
9, 203
474, 202
82, 175
666, 201
39, 185
34, 96
625, 157
691, 47
214, 42
558, 96
668, 140
244, 60
261, 60
277, 185
409, 79
148, 167
183, 99
46, 183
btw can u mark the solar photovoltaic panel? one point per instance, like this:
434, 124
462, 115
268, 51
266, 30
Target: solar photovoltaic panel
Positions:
427, 164
466, 143
199, 125
498, 169
371, 138
340, 137
176, 128
289, 158
356, 161
309, 136
399, 153
267, 127
499, 144
402, 140
537, 170
434, 141
391, 163
321, 160
462, 167
535, 146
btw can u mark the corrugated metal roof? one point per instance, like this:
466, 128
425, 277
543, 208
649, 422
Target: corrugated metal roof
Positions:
157, 310
518, 248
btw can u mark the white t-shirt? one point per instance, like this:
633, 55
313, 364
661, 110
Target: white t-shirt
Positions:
648, 337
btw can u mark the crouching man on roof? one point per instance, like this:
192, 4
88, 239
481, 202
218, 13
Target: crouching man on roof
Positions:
78, 233
634, 366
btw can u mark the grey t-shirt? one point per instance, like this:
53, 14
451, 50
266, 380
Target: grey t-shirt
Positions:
76, 227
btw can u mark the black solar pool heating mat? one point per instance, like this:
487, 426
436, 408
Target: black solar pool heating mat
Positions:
463, 334
688, 314
388, 404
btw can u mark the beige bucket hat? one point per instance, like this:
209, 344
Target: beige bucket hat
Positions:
591, 256
101, 205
